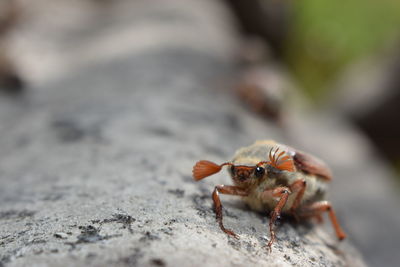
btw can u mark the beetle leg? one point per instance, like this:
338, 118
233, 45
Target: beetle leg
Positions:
282, 193
317, 217
228, 190
315, 209
299, 187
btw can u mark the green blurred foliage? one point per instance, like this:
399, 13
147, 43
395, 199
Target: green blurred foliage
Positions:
327, 35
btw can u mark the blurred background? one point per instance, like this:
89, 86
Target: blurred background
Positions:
341, 54
340, 57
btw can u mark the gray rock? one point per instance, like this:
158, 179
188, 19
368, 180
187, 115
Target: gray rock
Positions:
103, 155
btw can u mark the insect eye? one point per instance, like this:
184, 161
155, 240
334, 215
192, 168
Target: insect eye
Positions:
259, 172
232, 169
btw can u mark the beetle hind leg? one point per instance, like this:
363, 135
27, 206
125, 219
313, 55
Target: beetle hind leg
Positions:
315, 210
228, 190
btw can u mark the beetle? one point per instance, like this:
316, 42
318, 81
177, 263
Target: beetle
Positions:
274, 177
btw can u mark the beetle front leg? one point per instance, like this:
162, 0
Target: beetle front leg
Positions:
283, 194
315, 209
227, 190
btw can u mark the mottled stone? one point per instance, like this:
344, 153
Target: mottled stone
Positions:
103, 153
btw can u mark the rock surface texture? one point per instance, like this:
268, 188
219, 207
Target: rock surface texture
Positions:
95, 160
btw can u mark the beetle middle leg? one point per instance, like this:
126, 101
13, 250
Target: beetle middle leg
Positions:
315, 209
283, 194
299, 187
228, 190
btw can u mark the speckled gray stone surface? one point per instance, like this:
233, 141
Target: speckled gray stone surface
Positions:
95, 166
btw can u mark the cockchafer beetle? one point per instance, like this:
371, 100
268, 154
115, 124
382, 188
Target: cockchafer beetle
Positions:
273, 177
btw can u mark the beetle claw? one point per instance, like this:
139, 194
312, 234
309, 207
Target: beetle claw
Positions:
268, 246
230, 233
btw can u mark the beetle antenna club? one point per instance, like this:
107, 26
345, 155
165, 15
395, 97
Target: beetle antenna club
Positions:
284, 163
205, 168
